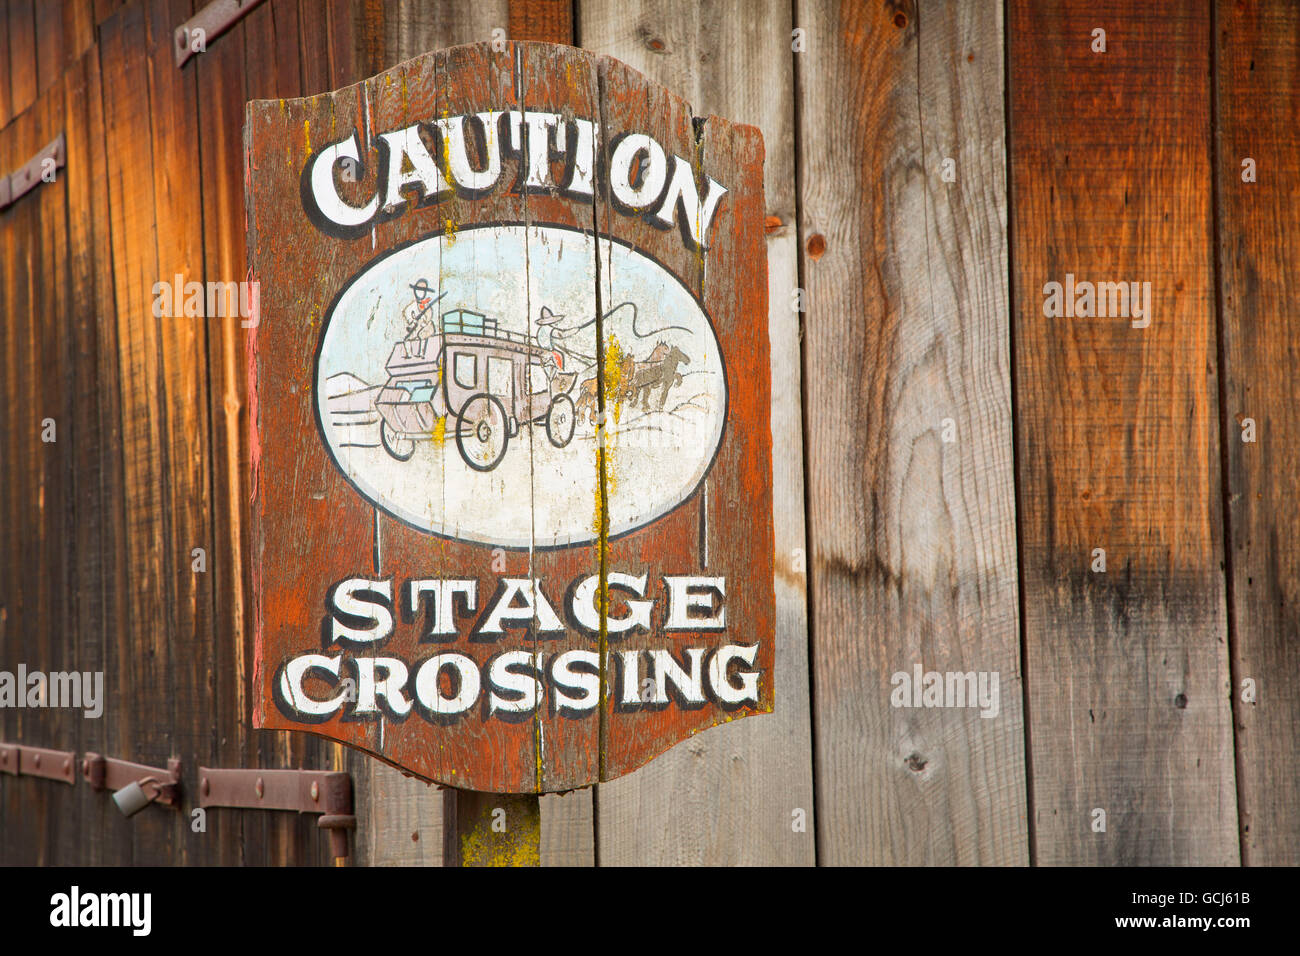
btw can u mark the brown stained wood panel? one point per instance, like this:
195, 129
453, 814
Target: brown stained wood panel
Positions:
13, 840
219, 75
391, 31
341, 51
100, 565
22, 55
51, 562
78, 30
49, 44
6, 98
1257, 57
1118, 438
103, 9
729, 797
550, 21
140, 652
313, 48
174, 134
911, 536
23, 454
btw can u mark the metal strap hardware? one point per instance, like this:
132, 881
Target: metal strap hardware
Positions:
107, 773
23, 761
22, 181
214, 19
304, 791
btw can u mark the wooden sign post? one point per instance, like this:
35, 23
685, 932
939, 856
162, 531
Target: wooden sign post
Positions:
511, 447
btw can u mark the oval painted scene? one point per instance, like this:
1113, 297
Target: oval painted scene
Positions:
456, 385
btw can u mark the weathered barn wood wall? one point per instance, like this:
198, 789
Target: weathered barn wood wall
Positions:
947, 459
1257, 57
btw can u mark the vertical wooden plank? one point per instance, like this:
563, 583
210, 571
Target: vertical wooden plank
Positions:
103, 9
272, 53
140, 651
567, 825
98, 570
313, 48
160, 679
78, 29
760, 771
24, 452
550, 21
12, 839
1257, 58
186, 523
911, 515
568, 830
398, 808
392, 31
9, 793
237, 838
569, 750
22, 55
88, 177
50, 565
1127, 670
6, 100
49, 44
344, 62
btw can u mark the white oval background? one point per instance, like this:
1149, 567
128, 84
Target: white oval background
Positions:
539, 495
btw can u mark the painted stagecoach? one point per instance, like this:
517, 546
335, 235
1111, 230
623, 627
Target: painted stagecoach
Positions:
477, 381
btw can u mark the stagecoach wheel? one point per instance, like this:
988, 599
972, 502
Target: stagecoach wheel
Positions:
482, 432
560, 419
400, 448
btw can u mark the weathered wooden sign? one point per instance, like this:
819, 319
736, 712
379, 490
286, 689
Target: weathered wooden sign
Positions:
510, 401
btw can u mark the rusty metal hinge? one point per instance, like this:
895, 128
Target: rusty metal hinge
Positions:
108, 773
21, 761
19, 183
213, 20
304, 791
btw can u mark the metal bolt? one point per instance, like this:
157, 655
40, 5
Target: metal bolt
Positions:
67, 765
260, 788
207, 787
315, 790
36, 762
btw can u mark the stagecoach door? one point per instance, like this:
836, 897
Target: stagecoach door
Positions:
501, 381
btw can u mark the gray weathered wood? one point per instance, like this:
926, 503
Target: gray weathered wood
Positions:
1256, 58
1118, 438
911, 502
729, 797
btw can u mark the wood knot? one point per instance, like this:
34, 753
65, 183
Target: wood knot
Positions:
915, 762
